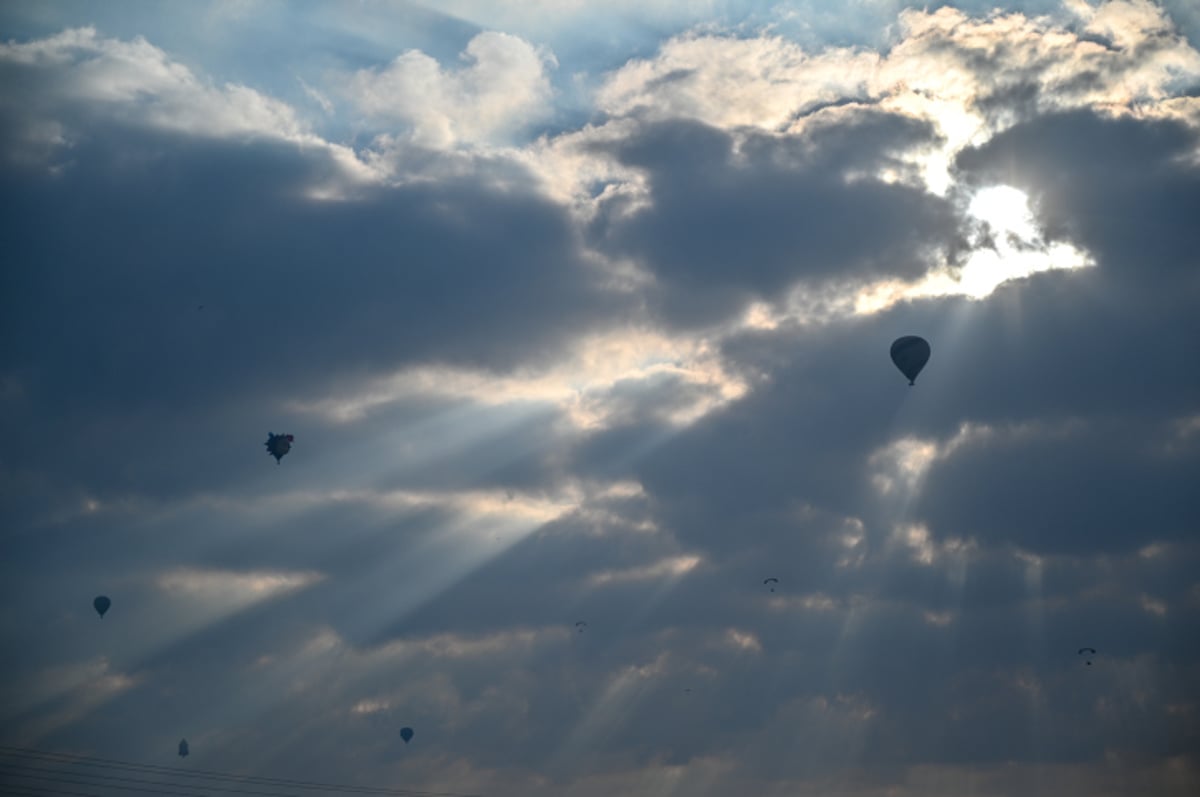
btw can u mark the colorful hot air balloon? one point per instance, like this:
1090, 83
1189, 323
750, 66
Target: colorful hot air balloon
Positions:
101, 604
910, 354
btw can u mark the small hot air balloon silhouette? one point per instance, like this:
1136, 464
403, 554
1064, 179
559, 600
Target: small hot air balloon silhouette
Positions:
770, 581
910, 353
1090, 651
278, 445
183, 748
101, 604
406, 734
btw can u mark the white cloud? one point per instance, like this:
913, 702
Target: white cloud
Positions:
730, 82
503, 88
670, 568
138, 84
581, 385
945, 67
233, 589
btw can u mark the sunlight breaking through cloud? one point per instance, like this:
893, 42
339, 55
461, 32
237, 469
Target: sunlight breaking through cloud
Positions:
1007, 246
228, 590
581, 386
674, 567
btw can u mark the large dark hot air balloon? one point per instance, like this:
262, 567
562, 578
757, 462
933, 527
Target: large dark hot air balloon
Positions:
183, 748
910, 354
101, 604
407, 734
278, 445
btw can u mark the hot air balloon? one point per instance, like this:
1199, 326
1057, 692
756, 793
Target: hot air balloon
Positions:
407, 734
910, 354
770, 581
1090, 651
278, 445
101, 604
183, 748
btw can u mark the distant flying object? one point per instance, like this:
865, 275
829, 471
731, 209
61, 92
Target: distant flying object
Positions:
183, 750
910, 354
581, 625
101, 604
1091, 651
406, 734
769, 581
278, 445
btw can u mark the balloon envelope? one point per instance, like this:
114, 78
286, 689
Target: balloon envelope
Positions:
910, 354
183, 748
406, 734
278, 445
101, 604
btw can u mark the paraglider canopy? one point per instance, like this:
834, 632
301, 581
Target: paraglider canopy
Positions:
1090, 651
580, 626
101, 604
278, 445
910, 353
770, 581
183, 748
406, 734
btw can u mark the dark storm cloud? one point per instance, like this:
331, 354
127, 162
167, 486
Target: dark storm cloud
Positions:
157, 278
141, 230
1075, 384
1105, 343
1126, 189
912, 636
726, 227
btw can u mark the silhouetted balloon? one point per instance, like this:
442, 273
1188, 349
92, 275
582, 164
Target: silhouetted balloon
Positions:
183, 748
278, 445
910, 354
407, 734
771, 580
101, 604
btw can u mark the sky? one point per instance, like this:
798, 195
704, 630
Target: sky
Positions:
579, 313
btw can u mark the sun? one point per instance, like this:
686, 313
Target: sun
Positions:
1005, 209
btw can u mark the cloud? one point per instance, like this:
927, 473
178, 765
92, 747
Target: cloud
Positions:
768, 215
503, 89
619, 374
69, 79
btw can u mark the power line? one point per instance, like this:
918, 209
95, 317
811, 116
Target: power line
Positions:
95, 779
38, 791
224, 781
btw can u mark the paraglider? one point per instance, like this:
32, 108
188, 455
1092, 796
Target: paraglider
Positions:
183, 748
580, 626
101, 605
910, 353
278, 445
1090, 651
770, 581
406, 734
